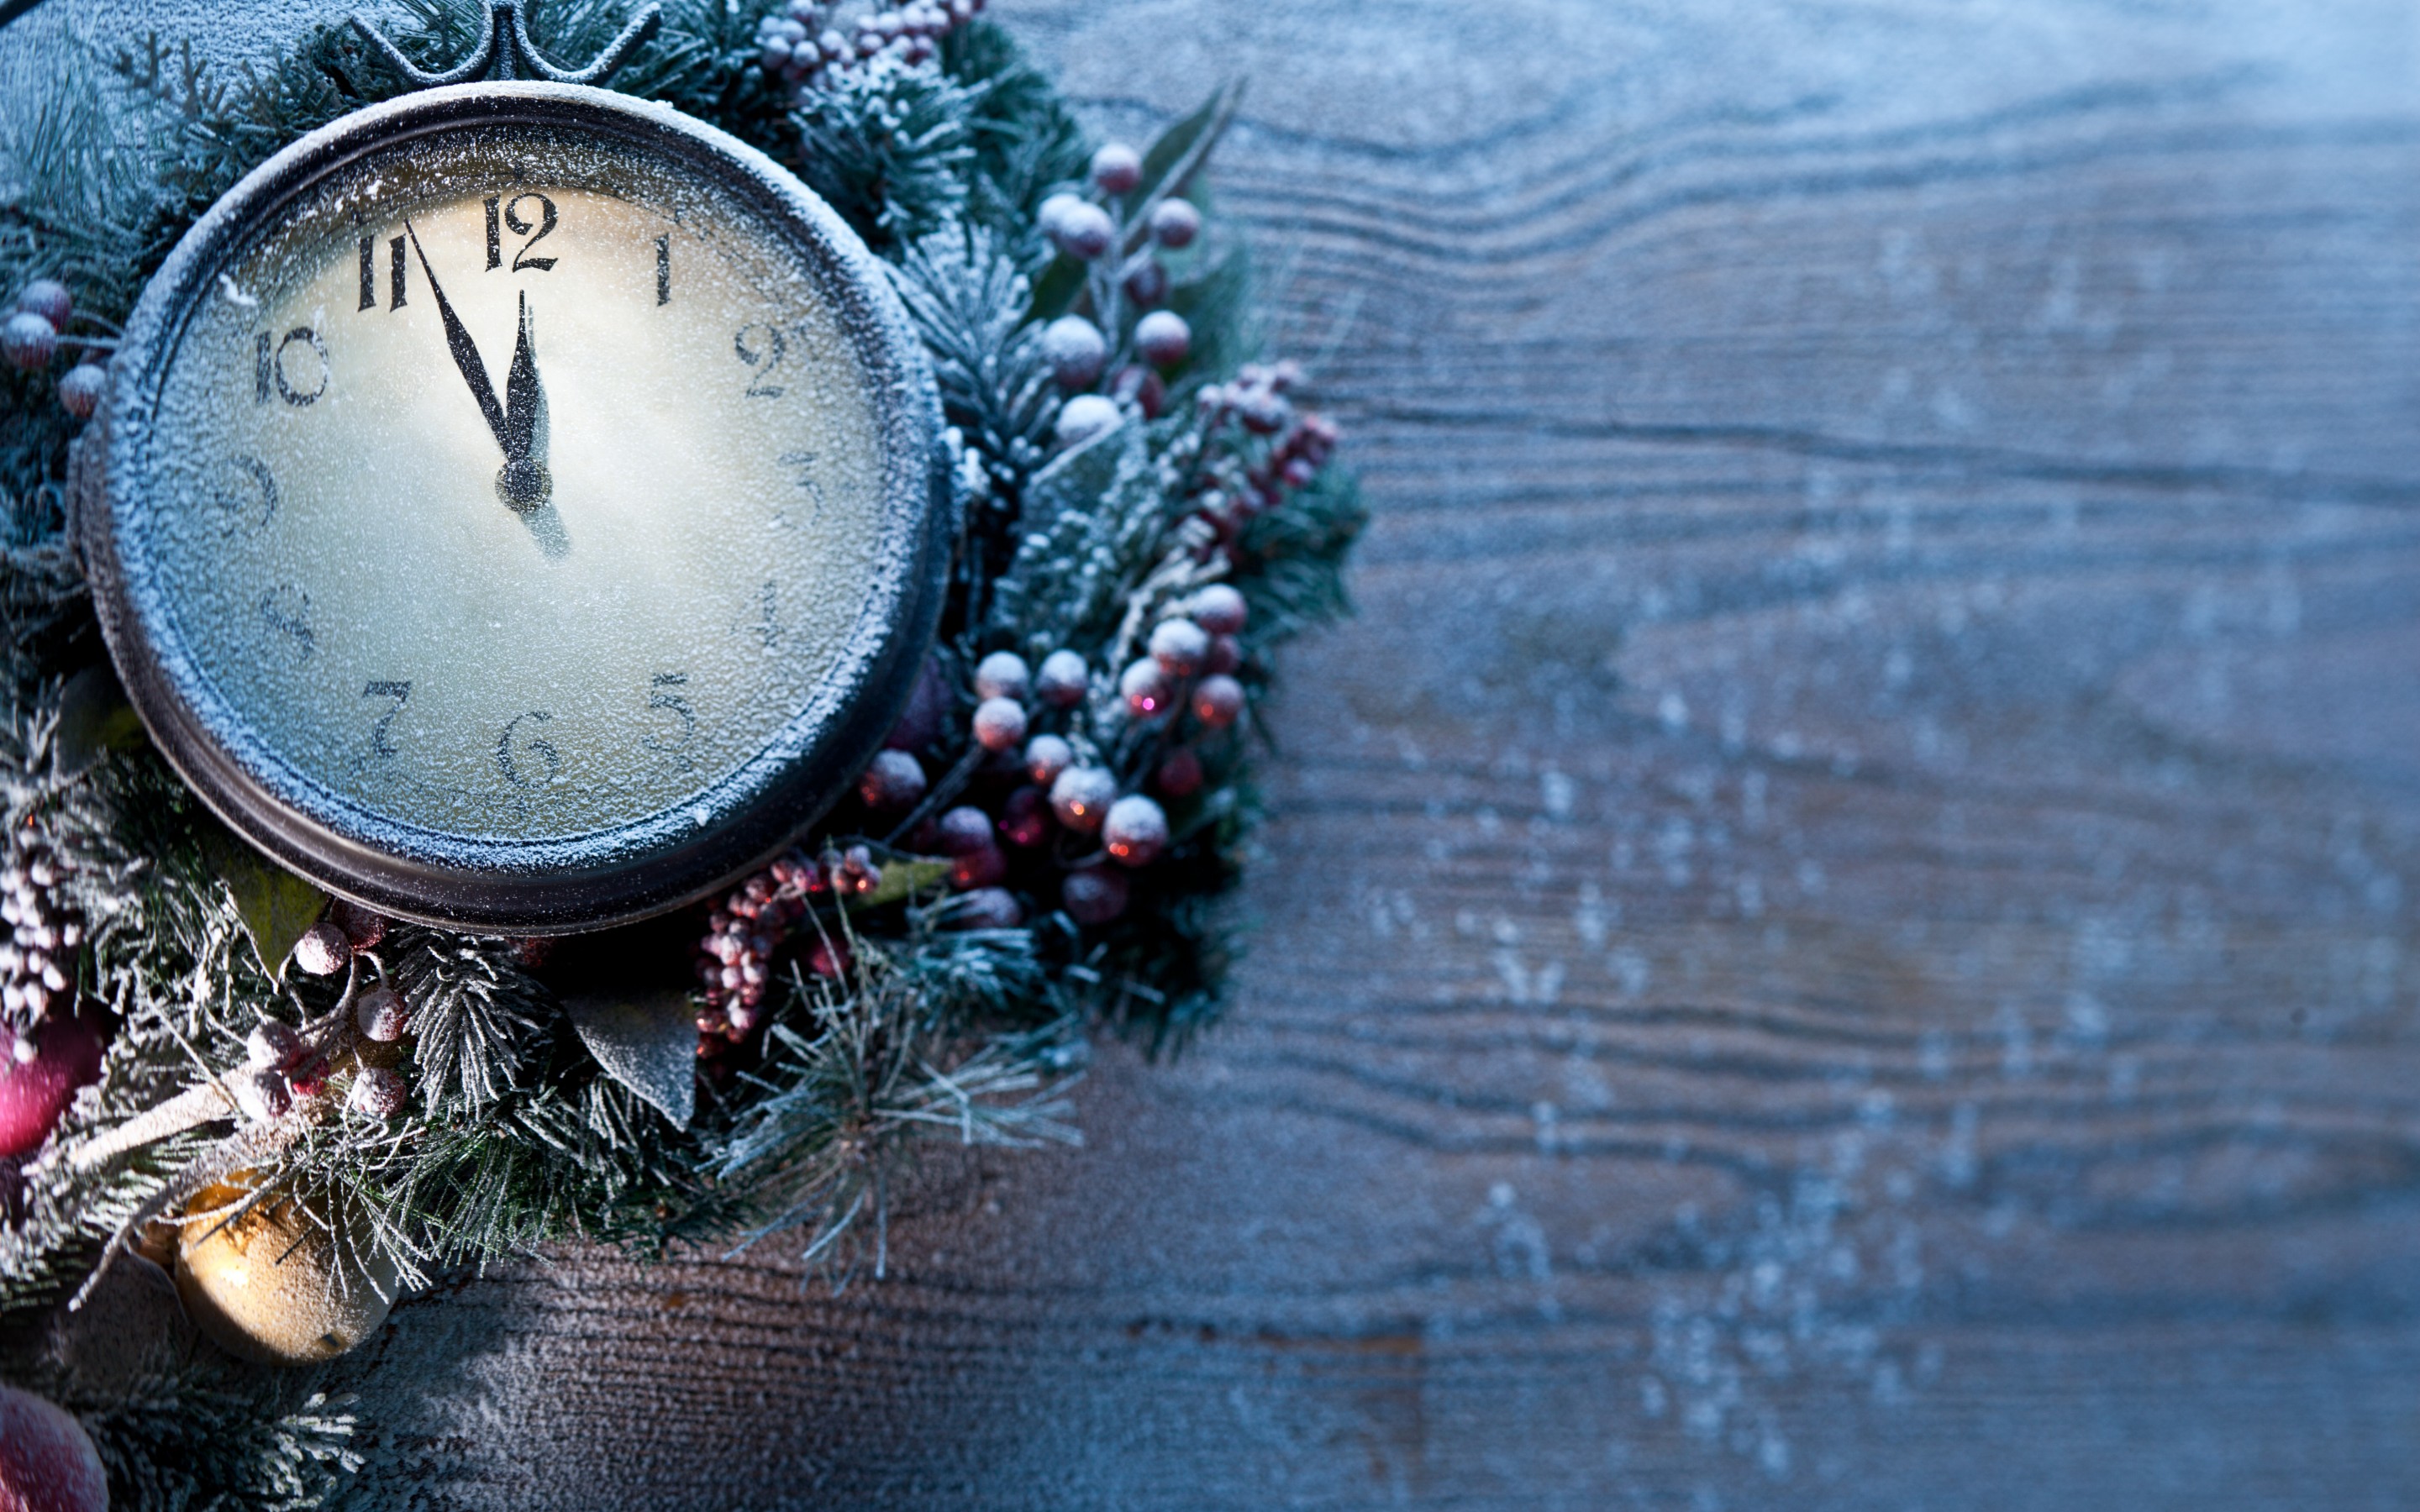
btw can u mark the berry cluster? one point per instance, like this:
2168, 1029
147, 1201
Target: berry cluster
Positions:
1232, 483
804, 43
38, 961
1097, 228
736, 958
35, 332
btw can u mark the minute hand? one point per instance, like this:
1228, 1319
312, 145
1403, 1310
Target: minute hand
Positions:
466, 352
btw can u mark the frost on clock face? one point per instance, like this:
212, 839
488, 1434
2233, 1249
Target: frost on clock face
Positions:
323, 526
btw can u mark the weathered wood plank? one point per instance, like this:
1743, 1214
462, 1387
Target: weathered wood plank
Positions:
1840, 930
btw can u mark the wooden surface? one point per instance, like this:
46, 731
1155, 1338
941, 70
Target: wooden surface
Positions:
1840, 930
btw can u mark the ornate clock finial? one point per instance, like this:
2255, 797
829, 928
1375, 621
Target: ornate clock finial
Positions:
507, 52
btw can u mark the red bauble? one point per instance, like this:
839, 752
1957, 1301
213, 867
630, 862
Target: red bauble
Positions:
33, 1093
47, 1462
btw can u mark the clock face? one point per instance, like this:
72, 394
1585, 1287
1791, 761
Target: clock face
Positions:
520, 497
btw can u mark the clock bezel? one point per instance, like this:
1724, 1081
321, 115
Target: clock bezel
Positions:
609, 876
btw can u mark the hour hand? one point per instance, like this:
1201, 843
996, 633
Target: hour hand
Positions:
524, 483
466, 351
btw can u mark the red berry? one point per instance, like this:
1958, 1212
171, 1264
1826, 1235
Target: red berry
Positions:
1146, 688
383, 1014
1094, 896
1082, 797
1046, 757
1086, 417
28, 341
322, 950
377, 1093
1179, 772
1117, 168
894, 781
979, 869
1147, 285
1219, 609
81, 388
1024, 819
1002, 675
998, 724
1136, 830
1163, 338
1217, 700
1063, 681
365, 929
1226, 654
273, 1045
927, 712
47, 1460
829, 959
1084, 231
1075, 349
1143, 388
49, 299
1174, 222
986, 908
1179, 646
964, 830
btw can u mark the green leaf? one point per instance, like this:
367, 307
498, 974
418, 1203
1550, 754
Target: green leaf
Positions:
1180, 150
277, 907
1057, 288
902, 880
93, 717
645, 1039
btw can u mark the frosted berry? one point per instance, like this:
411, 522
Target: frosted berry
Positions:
987, 909
382, 1016
1025, 818
273, 1045
1087, 416
1143, 388
830, 960
1226, 654
1054, 211
261, 1096
1064, 680
1179, 646
1180, 774
984, 868
1136, 830
1001, 675
322, 950
1083, 232
1174, 222
33, 1092
1117, 168
365, 929
1146, 688
1076, 351
49, 299
47, 1460
1046, 757
927, 712
1217, 701
998, 724
857, 872
1147, 283
1218, 608
1082, 797
28, 341
377, 1093
962, 832
1163, 338
1094, 896
893, 782
81, 388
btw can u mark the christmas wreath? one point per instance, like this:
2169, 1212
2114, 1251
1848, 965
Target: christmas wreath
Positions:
209, 1060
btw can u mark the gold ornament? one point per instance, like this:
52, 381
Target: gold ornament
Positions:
274, 1286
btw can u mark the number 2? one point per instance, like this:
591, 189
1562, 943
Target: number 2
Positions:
401, 693
764, 361
512, 221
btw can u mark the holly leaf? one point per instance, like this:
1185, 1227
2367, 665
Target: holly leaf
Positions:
1057, 287
647, 1040
902, 880
94, 719
1179, 153
277, 907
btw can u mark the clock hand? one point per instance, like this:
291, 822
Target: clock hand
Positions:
466, 352
524, 483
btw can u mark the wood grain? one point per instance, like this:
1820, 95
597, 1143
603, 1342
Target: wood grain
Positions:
1840, 930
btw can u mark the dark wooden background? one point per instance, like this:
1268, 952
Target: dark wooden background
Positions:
1840, 930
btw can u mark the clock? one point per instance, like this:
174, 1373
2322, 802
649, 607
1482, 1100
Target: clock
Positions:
518, 507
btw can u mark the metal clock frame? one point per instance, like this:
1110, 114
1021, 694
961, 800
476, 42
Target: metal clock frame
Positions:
609, 876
